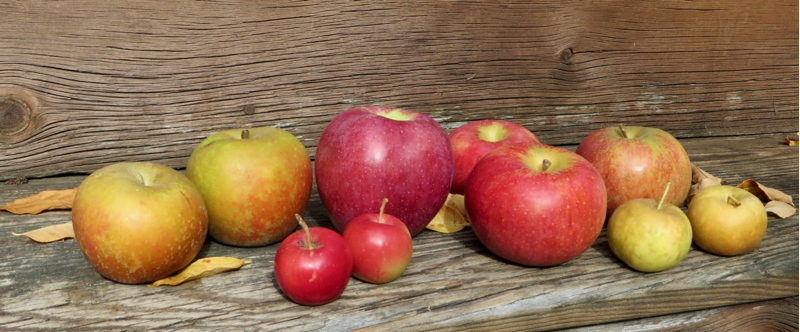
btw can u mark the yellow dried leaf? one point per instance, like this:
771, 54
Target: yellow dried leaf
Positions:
792, 141
448, 220
45, 200
780, 209
50, 233
765, 193
200, 268
456, 201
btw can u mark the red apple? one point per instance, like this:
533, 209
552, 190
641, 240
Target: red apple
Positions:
138, 222
369, 153
535, 204
474, 140
635, 162
313, 265
381, 246
253, 181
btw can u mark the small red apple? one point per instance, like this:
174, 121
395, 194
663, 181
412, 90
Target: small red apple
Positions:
535, 204
313, 265
474, 140
381, 246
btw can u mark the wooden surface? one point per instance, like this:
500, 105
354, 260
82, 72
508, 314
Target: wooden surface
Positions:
84, 84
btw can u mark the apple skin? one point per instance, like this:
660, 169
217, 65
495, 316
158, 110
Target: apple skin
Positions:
638, 166
649, 239
471, 141
534, 217
365, 155
252, 187
138, 222
381, 246
723, 228
313, 276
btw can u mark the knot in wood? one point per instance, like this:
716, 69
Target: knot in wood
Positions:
567, 53
15, 116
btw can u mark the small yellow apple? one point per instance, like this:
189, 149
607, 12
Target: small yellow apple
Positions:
727, 220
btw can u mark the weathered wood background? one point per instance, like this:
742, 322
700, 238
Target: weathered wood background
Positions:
84, 84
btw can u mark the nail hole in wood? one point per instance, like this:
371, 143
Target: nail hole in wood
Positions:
249, 109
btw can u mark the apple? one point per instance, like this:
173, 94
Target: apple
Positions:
635, 162
313, 265
368, 153
649, 235
535, 204
138, 222
381, 246
253, 181
471, 141
727, 220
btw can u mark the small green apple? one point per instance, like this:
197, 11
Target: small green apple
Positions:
253, 181
727, 220
649, 235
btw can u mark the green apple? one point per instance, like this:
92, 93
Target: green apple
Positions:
727, 220
253, 181
649, 235
138, 222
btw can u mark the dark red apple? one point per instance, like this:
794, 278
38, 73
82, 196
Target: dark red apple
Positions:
369, 153
381, 246
313, 265
472, 141
535, 204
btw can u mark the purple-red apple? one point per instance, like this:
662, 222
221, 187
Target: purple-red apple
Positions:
535, 204
138, 222
635, 162
253, 182
313, 265
727, 220
381, 246
472, 141
369, 153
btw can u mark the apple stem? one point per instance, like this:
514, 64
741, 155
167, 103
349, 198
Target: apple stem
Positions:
546, 164
664, 196
309, 243
733, 201
383, 206
246, 134
623, 131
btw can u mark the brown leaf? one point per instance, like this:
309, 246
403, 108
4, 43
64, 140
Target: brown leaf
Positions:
50, 233
16, 181
701, 180
792, 141
452, 217
200, 268
765, 193
780, 209
45, 200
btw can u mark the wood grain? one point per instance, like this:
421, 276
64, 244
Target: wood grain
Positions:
112, 81
453, 282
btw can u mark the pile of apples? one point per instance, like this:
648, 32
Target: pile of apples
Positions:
382, 175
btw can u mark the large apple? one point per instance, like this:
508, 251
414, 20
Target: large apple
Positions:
535, 204
253, 181
369, 153
313, 265
138, 222
635, 162
472, 141
727, 220
649, 235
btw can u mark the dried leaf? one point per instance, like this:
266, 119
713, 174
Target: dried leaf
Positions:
456, 201
200, 268
452, 217
701, 180
50, 233
792, 141
780, 209
17, 181
45, 200
765, 193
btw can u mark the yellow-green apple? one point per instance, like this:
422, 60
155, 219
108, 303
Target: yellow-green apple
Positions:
535, 204
313, 265
472, 141
381, 246
727, 220
138, 222
253, 181
368, 153
635, 162
649, 235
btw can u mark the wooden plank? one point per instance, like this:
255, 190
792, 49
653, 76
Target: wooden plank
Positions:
111, 81
452, 283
